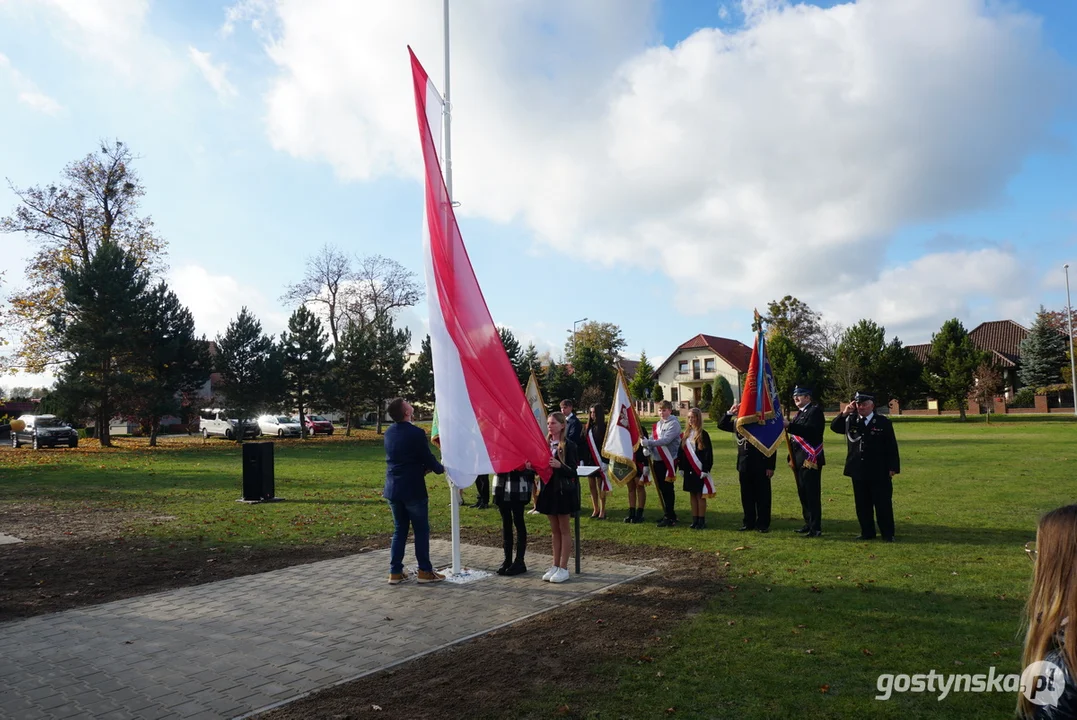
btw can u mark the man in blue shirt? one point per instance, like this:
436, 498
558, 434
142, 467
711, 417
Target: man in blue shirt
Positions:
407, 461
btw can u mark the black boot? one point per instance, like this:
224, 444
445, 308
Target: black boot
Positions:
695, 523
639, 516
507, 544
702, 523
631, 515
518, 567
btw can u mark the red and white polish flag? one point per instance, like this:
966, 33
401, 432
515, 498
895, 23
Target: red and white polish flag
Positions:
622, 433
485, 423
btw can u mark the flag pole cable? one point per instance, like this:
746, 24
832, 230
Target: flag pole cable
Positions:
446, 111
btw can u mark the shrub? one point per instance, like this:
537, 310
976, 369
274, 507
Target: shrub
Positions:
1024, 398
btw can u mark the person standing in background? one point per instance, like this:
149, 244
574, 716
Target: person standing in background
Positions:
754, 472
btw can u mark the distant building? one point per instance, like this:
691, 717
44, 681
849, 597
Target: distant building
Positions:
698, 362
1002, 339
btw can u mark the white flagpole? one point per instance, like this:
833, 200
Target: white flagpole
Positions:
446, 111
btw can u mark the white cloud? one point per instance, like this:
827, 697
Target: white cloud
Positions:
914, 299
781, 157
215, 300
27, 91
215, 75
110, 33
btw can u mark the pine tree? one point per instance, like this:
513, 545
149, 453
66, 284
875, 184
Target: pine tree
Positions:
641, 385
421, 375
512, 349
952, 363
248, 363
352, 380
176, 363
530, 361
707, 396
1043, 353
100, 330
390, 361
305, 356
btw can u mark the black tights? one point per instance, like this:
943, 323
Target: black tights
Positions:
512, 513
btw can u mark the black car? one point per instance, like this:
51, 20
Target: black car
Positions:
44, 430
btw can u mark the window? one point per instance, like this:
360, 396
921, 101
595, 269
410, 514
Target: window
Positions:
673, 395
682, 366
708, 365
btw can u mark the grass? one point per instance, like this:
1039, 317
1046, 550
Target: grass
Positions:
804, 626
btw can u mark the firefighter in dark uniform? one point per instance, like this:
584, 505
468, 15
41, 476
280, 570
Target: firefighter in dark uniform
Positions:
872, 462
806, 440
755, 470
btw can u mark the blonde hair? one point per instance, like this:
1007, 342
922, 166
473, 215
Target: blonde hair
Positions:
1053, 597
698, 415
560, 417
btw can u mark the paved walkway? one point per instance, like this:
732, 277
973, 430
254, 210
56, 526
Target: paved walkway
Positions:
236, 647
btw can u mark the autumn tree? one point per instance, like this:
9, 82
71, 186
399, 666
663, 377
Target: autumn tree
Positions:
305, 357
606, 338
95, 204
864, 360
987, 384
381, 286
326, 284
951, 365
798, 322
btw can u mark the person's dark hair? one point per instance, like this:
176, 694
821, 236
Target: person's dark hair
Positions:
596, 420
665, 405
396, 409
569, 402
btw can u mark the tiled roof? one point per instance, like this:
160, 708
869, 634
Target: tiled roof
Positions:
734, 352
1001, 338
629, 367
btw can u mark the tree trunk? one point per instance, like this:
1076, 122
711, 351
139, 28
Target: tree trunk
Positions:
104, 436
379, 414
154, 425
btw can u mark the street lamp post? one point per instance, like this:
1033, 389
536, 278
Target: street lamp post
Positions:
1069, 325
574, 334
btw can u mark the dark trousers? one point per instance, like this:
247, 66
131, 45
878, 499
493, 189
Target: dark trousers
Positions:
755, 500
874, 497
810, 490
665, 489
482, 487
416, 514
512, 513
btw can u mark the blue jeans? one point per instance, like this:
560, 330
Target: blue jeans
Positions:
415, 513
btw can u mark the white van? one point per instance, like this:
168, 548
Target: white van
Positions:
216, 421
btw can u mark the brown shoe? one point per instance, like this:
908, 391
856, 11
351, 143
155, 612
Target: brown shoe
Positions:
396, 578
430, 576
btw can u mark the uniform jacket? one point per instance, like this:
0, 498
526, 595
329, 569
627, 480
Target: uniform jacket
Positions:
873, 451
749, 459
808, 424
705, 455
407, 460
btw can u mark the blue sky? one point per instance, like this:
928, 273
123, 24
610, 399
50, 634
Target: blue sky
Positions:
666, 166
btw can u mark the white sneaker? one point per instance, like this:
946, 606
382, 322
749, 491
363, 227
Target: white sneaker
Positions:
560, 576
532, 511
549, 573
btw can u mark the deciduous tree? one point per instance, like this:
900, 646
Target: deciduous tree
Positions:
327, 283
797, 322
606, 338
95, 204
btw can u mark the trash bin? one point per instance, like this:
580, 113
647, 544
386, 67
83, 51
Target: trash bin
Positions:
258, 472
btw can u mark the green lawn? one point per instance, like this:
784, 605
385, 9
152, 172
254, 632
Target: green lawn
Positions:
804, 627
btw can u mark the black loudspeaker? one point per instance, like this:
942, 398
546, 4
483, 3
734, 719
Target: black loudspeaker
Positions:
258, 472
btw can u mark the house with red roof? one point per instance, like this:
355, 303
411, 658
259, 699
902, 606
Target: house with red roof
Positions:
1001, 339
698, 362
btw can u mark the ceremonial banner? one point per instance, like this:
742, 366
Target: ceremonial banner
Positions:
622, 434
759, 417
533, 393
485, 423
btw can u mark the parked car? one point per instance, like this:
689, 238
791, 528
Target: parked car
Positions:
279, 425
318, 425
46, 430
216, 421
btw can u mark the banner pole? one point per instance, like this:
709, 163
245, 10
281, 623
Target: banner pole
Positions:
454, 504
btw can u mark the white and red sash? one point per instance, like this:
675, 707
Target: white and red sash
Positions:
596, 458
665, 455
697, 466
812, 460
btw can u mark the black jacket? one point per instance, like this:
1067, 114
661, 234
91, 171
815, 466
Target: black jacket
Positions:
705, 455
749, 459
574, 429
808, 424
567, 471
1067, 703
872, 451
